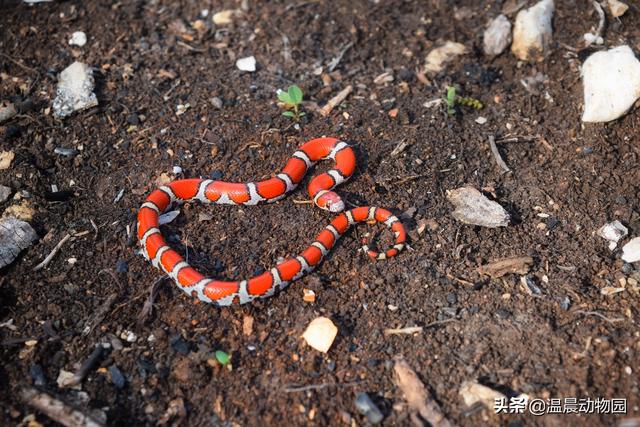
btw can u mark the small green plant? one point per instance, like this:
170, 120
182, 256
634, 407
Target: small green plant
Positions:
292, 99
451, 100
224, 359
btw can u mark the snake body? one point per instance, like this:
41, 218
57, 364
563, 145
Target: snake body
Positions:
223, 293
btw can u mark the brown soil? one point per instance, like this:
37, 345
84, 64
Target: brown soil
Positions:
581, 176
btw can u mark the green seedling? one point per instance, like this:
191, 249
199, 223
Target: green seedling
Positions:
292, 100
451, 100
224, 359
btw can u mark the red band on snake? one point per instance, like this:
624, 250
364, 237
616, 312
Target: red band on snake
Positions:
264, 285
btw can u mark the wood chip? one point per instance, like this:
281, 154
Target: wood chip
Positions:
516, 265
407, 330
418, 397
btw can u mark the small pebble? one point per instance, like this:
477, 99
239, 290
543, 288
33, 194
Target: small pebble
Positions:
180, 345
79, 38
67, 152
5, 192
121, 266
452, 298
37, 374
129, 336
216, 175
177, 170
246, 64
565, 303
366, 407
116, 376
216, 102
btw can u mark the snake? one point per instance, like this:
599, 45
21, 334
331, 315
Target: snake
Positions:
207, 191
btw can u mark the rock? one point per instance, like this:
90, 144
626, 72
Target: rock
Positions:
116, 376
6, 157
308, 295
497, 36
216, 102
7, 111
121, 266
168, 217
472, 207
246, 64
37, 374
532, 32
611, 84
5, 192
613, 232
440, 56
320, 334
75, 90
631, 251
617, 8
226, 17
366, 407
79, 38
15, 236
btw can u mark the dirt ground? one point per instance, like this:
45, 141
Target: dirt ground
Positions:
566, 181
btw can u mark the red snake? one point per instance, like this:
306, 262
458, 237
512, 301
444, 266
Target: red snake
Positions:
264, 285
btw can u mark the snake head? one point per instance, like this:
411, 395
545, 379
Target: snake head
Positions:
329, 201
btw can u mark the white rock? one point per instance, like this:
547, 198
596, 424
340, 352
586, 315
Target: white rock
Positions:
613, 232
631, 251
129, 336
79, 38
320, 334
75, 90
611, 84
532, 32
226, 17
497, 36
440, 56
590, 38
246, 64
481, 120
15, 236
177, 170
617, 8
472, 207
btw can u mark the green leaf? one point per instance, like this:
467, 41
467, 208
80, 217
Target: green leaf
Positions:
289, 114
285, 97
451, 96
302, 114
222, 357
295, 94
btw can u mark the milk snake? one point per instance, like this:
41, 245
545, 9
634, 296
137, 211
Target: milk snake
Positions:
208, 191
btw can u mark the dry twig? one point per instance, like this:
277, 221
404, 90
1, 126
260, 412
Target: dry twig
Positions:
53, 253
336, 100
57, 410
